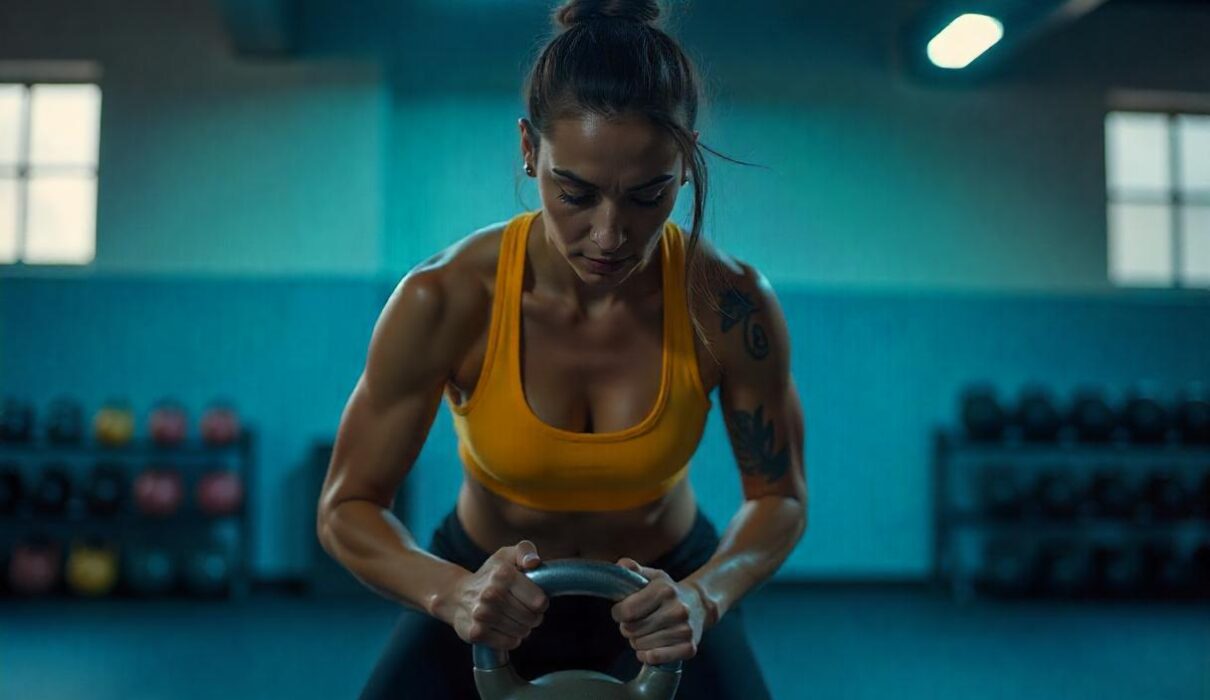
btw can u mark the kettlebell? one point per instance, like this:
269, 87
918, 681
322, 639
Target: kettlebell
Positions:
114, 425
219, 493
220, 425
92, 568
158, 491
497, 680
168, 424
65, 422
34, 567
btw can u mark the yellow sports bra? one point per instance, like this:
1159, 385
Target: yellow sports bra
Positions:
511, 451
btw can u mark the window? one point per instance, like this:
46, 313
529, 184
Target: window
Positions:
49, 136
1158, 179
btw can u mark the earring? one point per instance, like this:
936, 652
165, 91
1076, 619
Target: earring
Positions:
529, 170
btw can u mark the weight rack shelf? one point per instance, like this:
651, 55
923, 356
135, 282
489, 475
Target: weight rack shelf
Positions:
191, 458
960, 526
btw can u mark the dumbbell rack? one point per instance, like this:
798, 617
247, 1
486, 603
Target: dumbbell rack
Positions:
192, 459
962, 526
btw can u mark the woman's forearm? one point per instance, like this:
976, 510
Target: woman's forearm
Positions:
374, 546
757, 541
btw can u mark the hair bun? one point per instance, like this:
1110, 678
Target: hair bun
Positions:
574, 12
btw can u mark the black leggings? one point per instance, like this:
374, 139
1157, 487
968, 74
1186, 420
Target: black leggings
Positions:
425, 658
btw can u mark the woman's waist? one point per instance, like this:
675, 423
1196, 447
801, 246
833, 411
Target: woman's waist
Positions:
644, 533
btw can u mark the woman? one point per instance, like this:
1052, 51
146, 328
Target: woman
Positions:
577, 346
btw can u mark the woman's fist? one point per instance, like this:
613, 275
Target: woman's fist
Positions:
498, 605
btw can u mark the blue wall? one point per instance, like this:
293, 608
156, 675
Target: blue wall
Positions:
253, 214
876, 373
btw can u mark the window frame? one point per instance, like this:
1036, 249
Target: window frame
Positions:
21, 170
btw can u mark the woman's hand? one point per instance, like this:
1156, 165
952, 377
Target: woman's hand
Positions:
499, 605
664, 621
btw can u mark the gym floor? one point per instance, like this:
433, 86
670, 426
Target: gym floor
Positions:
868, 642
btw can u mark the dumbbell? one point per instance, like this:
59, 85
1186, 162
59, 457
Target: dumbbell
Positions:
1058, 493
1091, 416
1193, 414
982, 415
1036, 415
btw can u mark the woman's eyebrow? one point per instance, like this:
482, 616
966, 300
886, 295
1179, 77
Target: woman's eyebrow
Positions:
581, 181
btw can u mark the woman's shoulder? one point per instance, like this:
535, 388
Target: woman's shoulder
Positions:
453, 287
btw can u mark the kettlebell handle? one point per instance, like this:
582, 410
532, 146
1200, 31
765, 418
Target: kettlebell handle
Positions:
559, 577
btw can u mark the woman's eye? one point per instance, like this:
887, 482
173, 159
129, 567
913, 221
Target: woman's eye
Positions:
583, 200
651, 202
575, 201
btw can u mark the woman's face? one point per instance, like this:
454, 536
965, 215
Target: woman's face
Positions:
607, 187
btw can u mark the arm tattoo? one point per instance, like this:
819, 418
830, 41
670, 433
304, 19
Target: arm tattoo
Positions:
736, 307
753, 440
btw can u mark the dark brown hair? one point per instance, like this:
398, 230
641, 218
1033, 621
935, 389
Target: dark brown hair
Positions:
608, 58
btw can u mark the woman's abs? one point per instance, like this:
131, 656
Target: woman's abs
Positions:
643, 533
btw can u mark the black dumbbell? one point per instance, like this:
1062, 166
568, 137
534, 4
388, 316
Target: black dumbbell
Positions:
982, 415
1036, 415
1091, 416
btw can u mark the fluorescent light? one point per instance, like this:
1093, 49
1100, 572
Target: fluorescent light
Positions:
964, 40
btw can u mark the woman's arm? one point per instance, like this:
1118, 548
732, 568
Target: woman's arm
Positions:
765, 424
417, 340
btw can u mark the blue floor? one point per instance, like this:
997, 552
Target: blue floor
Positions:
882, 644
